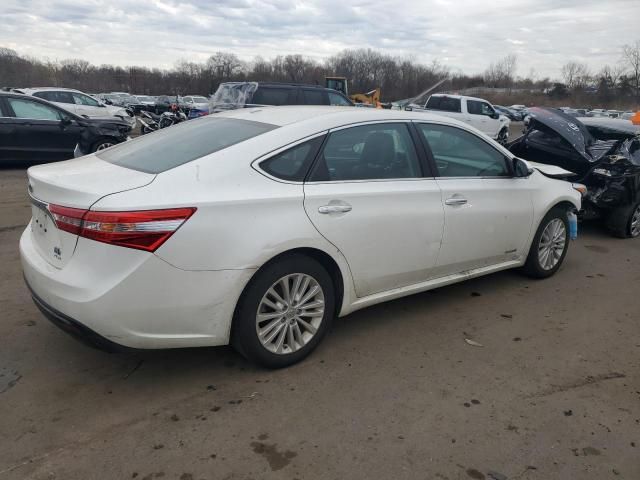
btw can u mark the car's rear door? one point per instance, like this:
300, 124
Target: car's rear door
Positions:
369, 195
42, 131
488, 211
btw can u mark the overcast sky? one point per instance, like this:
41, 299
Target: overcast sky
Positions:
463, 34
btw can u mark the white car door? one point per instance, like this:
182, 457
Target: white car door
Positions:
367, 195
480, 114
488, 212
89, 106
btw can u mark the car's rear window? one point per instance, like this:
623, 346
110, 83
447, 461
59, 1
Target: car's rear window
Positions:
183, 143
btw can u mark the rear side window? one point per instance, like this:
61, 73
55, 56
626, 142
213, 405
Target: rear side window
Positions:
273, 96
53, 96
293, 164
183, 143
446, 104
368, 152
313, 97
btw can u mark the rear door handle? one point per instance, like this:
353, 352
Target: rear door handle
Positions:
455, 201
334, 209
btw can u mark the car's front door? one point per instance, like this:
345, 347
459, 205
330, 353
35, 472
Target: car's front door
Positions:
86, 105
367, 194
42, 131
488, 212
480, 114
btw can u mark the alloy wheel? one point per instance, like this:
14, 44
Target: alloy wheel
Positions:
552, 244
104, 145
290, 313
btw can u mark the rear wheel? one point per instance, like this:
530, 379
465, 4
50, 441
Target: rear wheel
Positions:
549, 246
284, 312
624, 222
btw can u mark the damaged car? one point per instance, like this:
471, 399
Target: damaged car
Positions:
35, 130
602, 154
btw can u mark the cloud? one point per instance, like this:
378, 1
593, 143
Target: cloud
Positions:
464, 34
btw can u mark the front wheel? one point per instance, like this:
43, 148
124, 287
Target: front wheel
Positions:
502, 137
102, 144
284, 312
549, 246
624, 222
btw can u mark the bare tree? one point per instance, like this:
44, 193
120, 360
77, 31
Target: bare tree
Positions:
631, 58
502, 72
576, 75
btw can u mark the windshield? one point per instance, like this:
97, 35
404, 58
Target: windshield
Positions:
183, 143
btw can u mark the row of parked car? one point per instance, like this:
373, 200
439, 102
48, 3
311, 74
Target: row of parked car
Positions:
193, 105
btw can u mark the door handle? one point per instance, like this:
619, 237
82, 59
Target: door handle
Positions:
334, 209
455, 201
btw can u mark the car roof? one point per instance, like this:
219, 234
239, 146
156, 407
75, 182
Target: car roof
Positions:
30, 90
326, 117
459, 96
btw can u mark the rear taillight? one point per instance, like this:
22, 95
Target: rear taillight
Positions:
144, 230
67, 219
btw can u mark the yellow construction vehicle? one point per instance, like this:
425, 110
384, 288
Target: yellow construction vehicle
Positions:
340, 84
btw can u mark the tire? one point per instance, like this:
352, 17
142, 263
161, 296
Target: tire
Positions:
624, 222
539, 265
502, 137
102, 143
294, 335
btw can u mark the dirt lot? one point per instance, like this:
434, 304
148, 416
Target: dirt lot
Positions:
393, 392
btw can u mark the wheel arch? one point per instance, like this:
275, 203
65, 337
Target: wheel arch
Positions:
337, 274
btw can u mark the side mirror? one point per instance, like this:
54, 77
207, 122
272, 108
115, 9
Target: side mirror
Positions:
495, 115
65, 122
520, 168
108, 102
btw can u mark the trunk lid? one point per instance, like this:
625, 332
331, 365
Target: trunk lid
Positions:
77, 183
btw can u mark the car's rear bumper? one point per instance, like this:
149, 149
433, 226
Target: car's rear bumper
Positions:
73, 327
132, 298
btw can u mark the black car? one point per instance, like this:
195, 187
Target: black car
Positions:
602, 154
512, 115
232, 95
164, 102
36, 130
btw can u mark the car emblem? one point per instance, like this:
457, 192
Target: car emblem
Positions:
573, 127
57, 253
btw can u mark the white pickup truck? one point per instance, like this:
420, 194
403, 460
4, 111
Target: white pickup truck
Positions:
475, 111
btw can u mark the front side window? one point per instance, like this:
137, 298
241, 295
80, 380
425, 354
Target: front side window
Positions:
182, 143
368, 152
313, 97
337, 99
33, 110
476, 107
81, 99
458, 153
293, 164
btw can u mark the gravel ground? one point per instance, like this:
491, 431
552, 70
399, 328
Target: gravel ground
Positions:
393, 392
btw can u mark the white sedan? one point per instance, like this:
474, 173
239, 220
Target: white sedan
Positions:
257, 227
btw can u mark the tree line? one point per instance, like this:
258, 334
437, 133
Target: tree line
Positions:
366, 69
